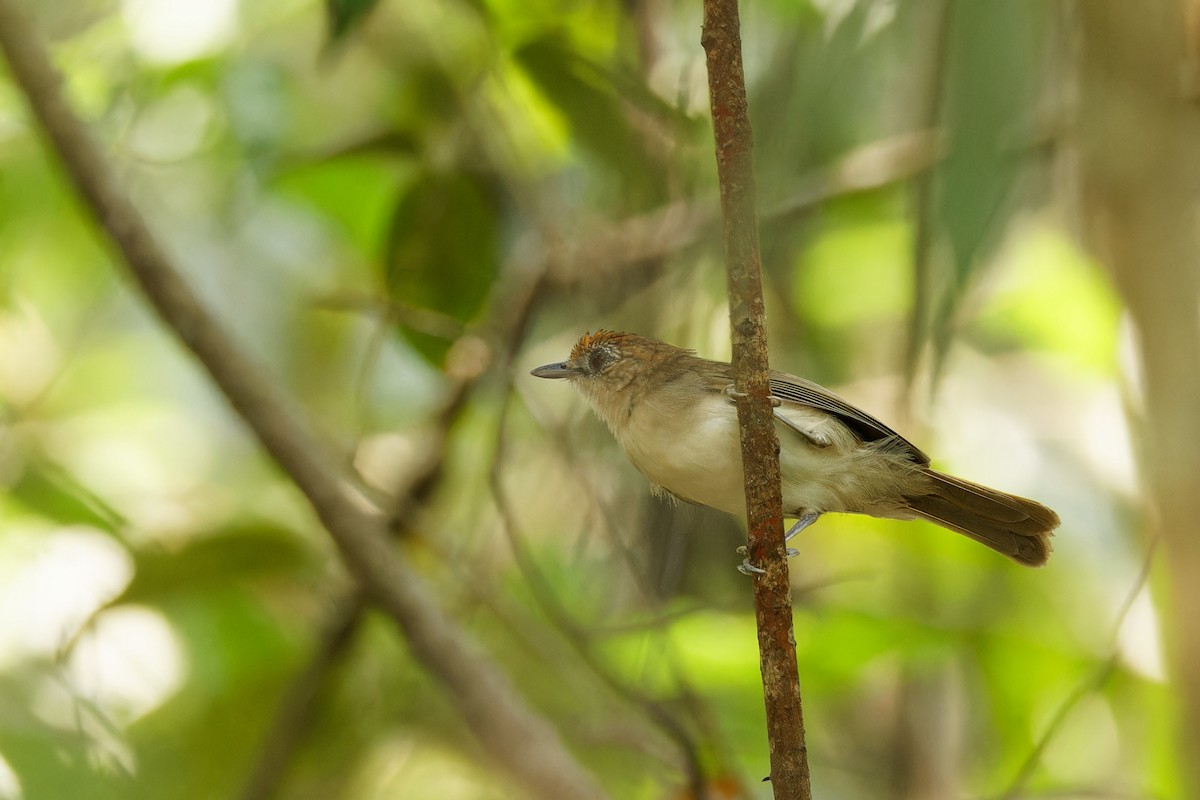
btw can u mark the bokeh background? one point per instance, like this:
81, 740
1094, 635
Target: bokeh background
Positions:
978, 223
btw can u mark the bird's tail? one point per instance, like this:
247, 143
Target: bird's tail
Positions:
1011, 525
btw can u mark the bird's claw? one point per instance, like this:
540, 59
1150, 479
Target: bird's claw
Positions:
734, 395
806, 519
746, 568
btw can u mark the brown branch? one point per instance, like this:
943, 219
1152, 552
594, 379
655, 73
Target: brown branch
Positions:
760, 443
520, 741
295, 711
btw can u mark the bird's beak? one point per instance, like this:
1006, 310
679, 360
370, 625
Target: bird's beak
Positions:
562, 369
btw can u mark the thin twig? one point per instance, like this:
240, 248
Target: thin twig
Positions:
608, 256
295, 711
760, 443
580, 642
520, 741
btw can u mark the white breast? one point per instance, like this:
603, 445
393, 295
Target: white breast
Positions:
695, 455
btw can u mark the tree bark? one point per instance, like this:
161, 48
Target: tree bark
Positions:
760, 443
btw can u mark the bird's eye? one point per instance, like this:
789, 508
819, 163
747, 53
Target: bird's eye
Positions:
598, 359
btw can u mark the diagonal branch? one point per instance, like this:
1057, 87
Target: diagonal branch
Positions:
519, 740
760, 443
616, 251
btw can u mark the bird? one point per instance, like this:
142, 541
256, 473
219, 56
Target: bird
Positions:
673, 414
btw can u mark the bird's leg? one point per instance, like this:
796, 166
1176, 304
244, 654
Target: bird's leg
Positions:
806, 519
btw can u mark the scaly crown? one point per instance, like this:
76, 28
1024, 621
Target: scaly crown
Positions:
590, 340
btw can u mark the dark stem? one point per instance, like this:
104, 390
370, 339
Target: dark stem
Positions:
760, 444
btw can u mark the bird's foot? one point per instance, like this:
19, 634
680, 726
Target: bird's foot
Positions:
806, 519
746, 568
734, 395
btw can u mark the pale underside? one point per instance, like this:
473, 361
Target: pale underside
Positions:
825, 466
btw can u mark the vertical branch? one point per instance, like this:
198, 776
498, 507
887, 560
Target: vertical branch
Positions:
1140, 191
760, 443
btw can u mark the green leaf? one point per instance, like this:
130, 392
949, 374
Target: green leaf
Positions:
355, 191
47, 759
990, 96
442, 249
250, 552
589, 96
344, 16
55, 494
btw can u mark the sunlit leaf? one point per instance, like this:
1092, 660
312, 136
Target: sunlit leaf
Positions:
586, 94
52, 760
1052, 299
353, 191
56, 495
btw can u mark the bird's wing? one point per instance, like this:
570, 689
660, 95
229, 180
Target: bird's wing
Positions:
791, 389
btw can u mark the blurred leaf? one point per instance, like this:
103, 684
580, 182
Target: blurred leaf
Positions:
48, 760
990, 95
590, 97
844, 256
256, 106
1053, 299
442, 250
822, 71
249, 552
201, 742
355, 191
344, 16
56, 495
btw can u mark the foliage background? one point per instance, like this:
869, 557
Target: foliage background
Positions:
401, 208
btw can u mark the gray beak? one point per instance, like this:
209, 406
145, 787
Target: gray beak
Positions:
562, 369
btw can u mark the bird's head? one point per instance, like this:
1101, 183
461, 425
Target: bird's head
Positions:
611, 369
596, 356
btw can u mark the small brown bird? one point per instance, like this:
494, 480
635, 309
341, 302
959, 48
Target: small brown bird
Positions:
673, 414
